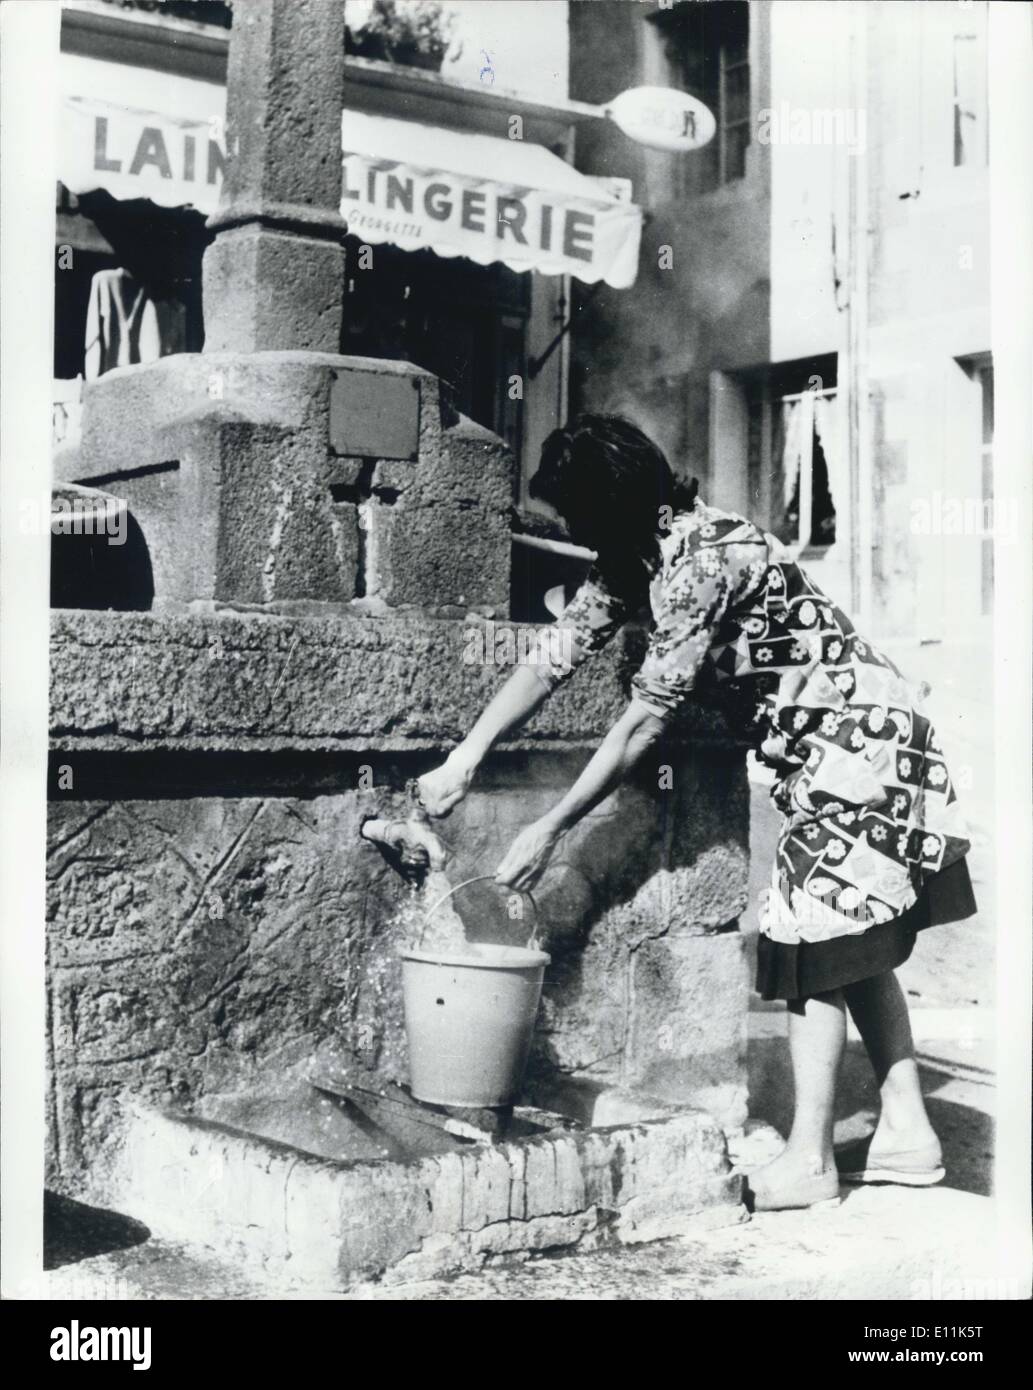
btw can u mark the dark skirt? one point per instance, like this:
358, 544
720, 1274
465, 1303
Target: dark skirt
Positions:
815, 967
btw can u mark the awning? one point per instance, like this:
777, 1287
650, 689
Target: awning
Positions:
460, 194
414, 185
132, 152
138, 133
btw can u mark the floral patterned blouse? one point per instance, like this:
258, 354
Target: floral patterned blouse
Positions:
869, 809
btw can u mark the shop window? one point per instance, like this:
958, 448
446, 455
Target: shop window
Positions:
970, 89
796, 461
100, 238
509, 413
733, 106
707, 49
465, 323
160, 248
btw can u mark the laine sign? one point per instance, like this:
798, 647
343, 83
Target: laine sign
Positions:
662, 118
173, 160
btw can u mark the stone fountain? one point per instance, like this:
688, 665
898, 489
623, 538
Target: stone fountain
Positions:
316, 536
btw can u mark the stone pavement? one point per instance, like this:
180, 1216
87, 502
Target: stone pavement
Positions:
881, 1243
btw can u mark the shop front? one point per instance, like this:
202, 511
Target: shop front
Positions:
466, 220
142, 153
462, 244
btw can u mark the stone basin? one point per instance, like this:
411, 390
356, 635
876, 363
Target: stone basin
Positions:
299, 1186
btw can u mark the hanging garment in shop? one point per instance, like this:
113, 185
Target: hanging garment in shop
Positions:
125, 323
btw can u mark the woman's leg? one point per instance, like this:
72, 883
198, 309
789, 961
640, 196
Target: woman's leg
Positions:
879, 1010
817, 1031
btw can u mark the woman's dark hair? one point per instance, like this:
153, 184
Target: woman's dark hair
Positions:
610, 482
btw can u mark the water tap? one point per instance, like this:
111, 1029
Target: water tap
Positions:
411, 843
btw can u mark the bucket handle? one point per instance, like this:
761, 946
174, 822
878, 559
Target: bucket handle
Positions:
479, 878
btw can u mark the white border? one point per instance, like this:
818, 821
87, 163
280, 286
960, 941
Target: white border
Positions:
29, 43
1011, 296
29, 40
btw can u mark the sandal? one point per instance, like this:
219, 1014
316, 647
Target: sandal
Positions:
921, 1167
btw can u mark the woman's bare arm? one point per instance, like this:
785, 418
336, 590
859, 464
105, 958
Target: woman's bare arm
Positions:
637, 730
587, 623
513, 703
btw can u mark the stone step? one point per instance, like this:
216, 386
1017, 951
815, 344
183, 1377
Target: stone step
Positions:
274, 1210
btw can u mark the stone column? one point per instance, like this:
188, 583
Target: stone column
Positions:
274, 275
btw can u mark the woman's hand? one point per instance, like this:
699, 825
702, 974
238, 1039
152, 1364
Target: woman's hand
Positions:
446, 786
528, 855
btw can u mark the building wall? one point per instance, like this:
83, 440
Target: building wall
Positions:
930, 306
807, 62
650, 350
761, 276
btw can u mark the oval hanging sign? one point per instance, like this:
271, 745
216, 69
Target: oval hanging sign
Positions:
662, 118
